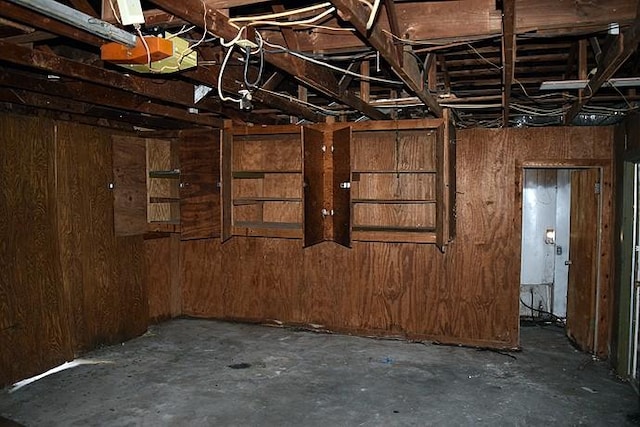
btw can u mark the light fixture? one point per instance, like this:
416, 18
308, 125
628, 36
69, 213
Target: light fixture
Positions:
80, 20
581, 84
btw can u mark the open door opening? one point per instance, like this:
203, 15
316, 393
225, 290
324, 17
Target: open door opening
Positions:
560, 238
634, 280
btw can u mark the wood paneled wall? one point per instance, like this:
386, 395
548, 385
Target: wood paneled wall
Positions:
67, 283
467, 295
34, 329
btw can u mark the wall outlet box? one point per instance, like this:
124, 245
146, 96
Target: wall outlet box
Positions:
130, 12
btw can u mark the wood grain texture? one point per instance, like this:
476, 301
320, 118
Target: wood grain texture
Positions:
583, 246
103, 274
163, 277
129, 195
162, 155
200, 209
314, 186
35, 332
68, 283
467, 295
341, 197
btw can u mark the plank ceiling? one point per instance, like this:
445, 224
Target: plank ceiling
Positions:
485, 59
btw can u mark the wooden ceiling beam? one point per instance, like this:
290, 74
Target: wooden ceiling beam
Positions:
84, 6
314, 76
208, 76
467, 20
508, 55
99, 95
11, 108
32, 37
17, 13
616, 54
406, 68
61, 105
175, 92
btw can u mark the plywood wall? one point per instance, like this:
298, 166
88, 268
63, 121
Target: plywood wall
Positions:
67, 283
467, 295
34, 330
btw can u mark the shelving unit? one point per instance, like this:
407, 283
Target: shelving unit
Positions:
391, 181
168, 182
163, 182
396, 170
266, 182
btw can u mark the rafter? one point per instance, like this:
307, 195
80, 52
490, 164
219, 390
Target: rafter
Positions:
63, 108
615, 55
312, 75
407, 69
209, 74
508, 55
84, 6
34, 19
175, 92
99, 95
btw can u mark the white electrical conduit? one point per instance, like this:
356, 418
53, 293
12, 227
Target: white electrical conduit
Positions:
282, 14
294, 23
222, 67
374, 12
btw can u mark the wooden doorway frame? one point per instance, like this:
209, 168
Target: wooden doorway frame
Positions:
604, 225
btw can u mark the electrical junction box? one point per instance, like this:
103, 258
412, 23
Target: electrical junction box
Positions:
130, 12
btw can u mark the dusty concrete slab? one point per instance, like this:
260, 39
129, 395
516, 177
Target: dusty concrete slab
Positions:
203, 373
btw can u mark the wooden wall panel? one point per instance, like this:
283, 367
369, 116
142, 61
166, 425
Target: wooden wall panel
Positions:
163, 277
469, 294
104, 274
34, 331
68, 283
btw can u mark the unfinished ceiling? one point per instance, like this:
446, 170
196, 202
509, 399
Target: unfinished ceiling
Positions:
269, 62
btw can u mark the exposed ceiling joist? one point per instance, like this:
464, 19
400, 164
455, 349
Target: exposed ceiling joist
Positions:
616, 54
406, 67
93, 94
17, 13
84, 6
95, 114
508, 55
208, 76
315, 76
174, 92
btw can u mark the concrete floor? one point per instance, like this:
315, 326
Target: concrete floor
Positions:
206, 373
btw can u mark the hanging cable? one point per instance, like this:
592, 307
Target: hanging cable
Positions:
299, 101
260, 50
282, 14
372, 15
221, 73
333, 67
294, 23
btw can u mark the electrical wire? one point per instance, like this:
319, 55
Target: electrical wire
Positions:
325, 27
113, 10
254, 84
555, 318
372, 15
282, 14
221, 73
144, 43
307, 21
333, 67
299, 101
234, 40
